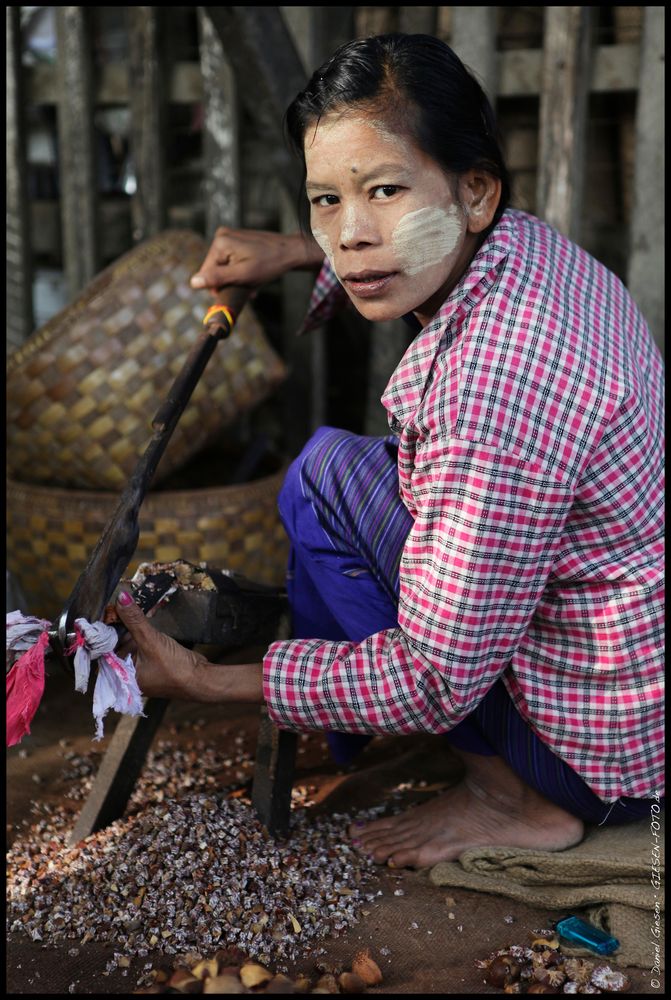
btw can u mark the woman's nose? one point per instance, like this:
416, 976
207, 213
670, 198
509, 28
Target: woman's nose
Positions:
358, 229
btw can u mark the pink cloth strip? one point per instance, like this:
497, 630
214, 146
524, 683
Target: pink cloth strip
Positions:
116, 685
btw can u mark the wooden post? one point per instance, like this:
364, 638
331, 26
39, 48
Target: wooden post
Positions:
221, 131
474, 41
419, 20
565, 85
147, 95
316, 33
645, 276
76, 155
19, 306
119, 770
269, 74
300, 392
273, 776
388, 343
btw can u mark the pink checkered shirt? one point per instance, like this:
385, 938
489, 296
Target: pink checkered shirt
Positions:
529, 415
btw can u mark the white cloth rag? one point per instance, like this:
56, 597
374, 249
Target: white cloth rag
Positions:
116, 684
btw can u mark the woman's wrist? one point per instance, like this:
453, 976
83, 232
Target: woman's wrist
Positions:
305, 253
239, 682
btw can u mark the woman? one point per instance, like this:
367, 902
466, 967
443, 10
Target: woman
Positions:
492, 570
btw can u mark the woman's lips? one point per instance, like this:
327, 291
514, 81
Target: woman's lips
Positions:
366, 284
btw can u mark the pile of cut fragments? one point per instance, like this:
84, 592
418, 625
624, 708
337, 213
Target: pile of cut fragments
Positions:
188, 875
154, 583
541, 967
230, 972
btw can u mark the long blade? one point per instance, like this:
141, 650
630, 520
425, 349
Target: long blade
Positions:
118, 542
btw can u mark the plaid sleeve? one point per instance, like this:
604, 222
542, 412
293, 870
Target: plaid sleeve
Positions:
328, 297
473, 571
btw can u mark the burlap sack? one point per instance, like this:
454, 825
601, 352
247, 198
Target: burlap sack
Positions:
607, 879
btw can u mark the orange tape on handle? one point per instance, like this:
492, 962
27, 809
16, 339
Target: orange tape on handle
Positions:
213, 310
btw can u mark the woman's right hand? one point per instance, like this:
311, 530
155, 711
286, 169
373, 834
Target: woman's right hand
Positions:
254, 257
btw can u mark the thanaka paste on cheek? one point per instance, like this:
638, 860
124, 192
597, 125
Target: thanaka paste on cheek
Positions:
324, 243
426, 237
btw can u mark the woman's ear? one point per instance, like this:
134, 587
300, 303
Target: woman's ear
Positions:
479, 194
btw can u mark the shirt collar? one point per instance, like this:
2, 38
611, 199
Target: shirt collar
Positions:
406, 386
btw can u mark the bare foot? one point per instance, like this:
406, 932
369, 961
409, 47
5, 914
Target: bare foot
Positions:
497, 811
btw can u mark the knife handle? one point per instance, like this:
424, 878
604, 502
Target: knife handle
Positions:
218, 323
222, 314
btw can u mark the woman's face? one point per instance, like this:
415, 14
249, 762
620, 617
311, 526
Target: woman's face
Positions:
386, 216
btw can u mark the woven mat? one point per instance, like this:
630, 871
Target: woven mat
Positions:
607, 877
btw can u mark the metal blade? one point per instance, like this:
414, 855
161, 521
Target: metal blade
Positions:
118, 542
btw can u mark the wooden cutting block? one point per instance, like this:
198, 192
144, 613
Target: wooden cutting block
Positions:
226, 617
221, 609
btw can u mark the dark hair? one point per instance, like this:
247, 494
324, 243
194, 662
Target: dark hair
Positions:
418, 84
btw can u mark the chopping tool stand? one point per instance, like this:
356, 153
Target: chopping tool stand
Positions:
194, 619
128, 748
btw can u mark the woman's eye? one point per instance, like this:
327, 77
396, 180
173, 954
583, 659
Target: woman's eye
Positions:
325, 200
385, 191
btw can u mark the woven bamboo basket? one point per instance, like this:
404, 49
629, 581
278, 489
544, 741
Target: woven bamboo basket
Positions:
52, 532
83, 390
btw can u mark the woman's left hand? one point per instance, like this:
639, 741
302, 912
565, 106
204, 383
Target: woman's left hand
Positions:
164, 669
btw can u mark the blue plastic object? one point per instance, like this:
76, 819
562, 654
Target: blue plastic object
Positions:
579, 932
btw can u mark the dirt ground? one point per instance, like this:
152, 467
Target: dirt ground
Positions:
425, 940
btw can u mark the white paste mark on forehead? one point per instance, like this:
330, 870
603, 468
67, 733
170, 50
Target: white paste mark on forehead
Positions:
336, 120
